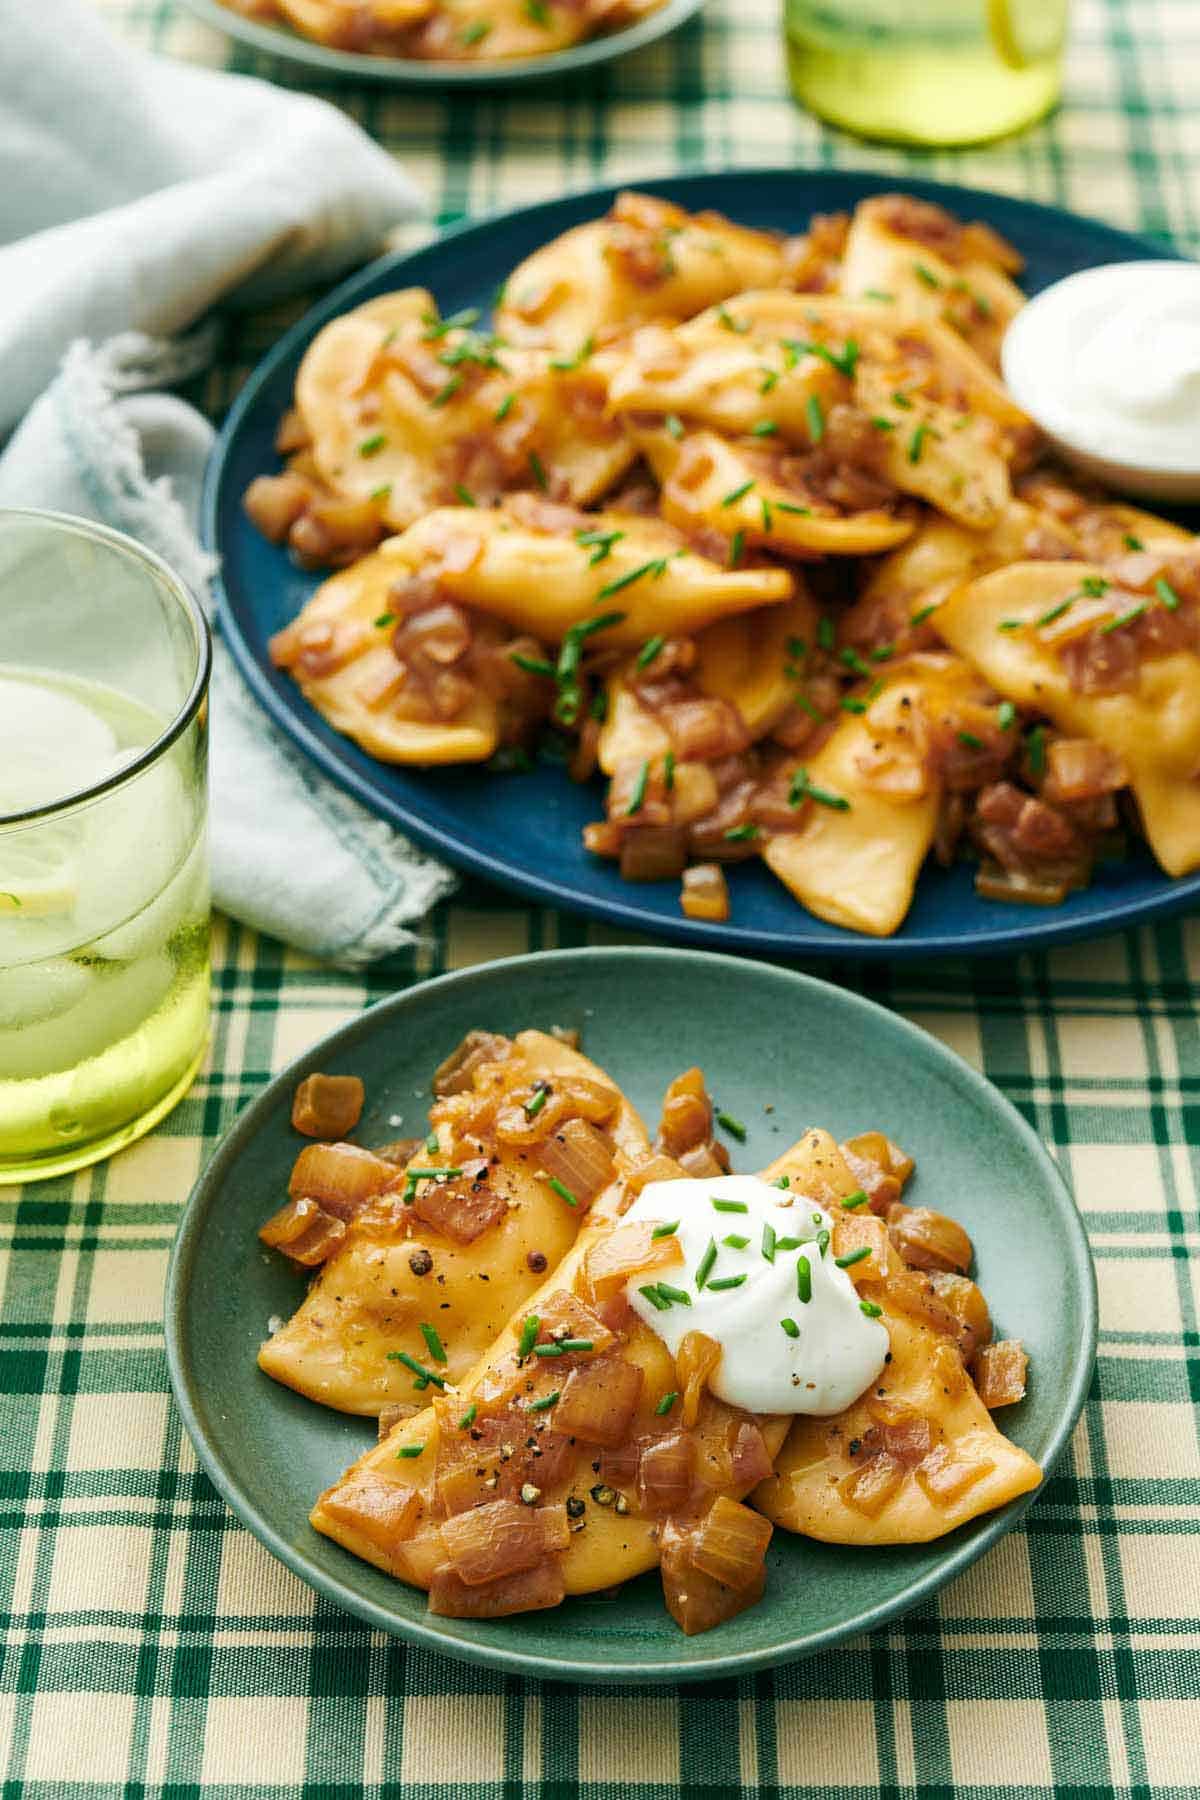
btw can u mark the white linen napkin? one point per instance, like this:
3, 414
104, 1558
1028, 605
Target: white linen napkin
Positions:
136, 194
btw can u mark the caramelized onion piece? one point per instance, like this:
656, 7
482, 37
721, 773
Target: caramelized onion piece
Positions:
869, 1158
965, 1300
343, 1177
695, 1360
705, 893
502, 1538
630, 1250
750, 1460
664, 1473
929, 1240
599, 1400
461, 1210
304, 1232
564, 1315
456, 1075
696, 1600
328, 1106
532, 1590
655, 1167
572, 1097
999, 1372
945, 1476
899, 1430
383, 1512
654, 853
912, 1292
730, 1542
862, 1231
869, 1489
580, 1157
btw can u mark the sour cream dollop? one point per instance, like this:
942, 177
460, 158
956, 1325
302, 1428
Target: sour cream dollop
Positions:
836, 1351
1108, 363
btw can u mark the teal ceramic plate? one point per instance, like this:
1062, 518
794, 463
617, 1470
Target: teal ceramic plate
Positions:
766, 1038
399, 71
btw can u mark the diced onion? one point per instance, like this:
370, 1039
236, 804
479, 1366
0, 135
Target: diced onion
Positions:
630, 1250
343, 1177
599, 1400
328, 1106
502, 1538
730, 1543
304, 1232
705, 893
664, 1474
456, 1075
929, 1240
999, 1372
696, 1600
531, 1590
383, 1512
695, 1360
580, 1157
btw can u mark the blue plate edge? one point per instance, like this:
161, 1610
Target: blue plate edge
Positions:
1027, 933
984, 1533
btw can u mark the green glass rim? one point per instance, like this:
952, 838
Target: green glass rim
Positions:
202, 634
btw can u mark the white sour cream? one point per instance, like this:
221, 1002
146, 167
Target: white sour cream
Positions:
1108, 363
837, 1350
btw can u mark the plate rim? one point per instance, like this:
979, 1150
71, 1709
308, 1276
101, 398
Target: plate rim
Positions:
831, 943
614, 1671
399, 71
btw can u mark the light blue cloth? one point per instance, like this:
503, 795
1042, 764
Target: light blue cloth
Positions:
135, 194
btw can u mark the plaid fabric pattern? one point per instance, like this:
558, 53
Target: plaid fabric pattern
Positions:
151, 1648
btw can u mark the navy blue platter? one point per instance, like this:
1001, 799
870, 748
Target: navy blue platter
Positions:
523, 830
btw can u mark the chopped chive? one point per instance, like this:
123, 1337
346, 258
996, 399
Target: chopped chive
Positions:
476, 32
436, 1347
869, 1307
460, 321
782, 1181
803, 1279
737, 545
1125, 618
562, 1190
852, 1256
504, 408
545, 1350
650, 650
664, 1231
735, 1241
447, 392
657, 566
857, 1198
433, 1174
738, 493
883, 653
383, 620
575, 1346
1132, 542
538, 470
655, 1298
901, 400
577, 361
665, 1404
875, 689
1094, 586
882, 424
600, 543
916, 442
726, 1281
599, 708
791, 1327
740, 834
807, 706
545, 1403
469, 1417
371, 446
968, 740
1006, 714
788, 1243
431, 1143
678, 1295
733, 1126
876, 294
1036, 745
768, 518
788, 506
925, 612
539, 12
409, 1451
719, 1205
802, 788
853, 706
764, 428
410, 1362
533, 1107
464, 494
669, 772
1010, 625
924, 273
740, 326
825, 632
822, 1241
854, 661
1056, 612
770, 379
768, 1241
674, 425
528, 1337
380, 493
1166, 594
637, 798
704, 1266
532, 665
814, 413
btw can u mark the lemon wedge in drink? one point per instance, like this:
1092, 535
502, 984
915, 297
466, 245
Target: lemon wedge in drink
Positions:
51, 746
1024, 32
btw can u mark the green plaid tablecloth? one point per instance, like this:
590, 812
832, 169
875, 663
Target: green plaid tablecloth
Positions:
151, 1648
